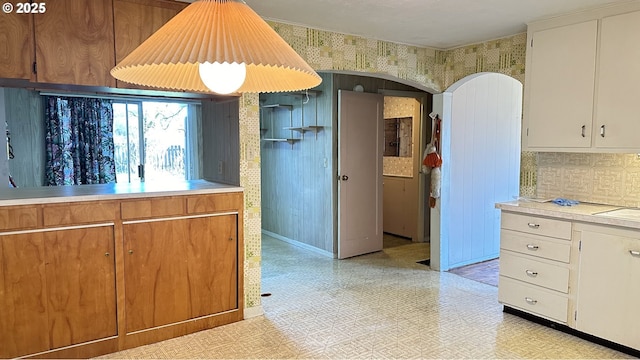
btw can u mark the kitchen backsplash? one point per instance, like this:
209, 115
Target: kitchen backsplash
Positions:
599, 178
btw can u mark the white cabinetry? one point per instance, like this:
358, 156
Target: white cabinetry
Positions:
618, 105
534, 265
559, 87
581, 82
583, 273
608, 291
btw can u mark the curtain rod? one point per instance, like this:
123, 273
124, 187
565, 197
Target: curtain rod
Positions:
136, 98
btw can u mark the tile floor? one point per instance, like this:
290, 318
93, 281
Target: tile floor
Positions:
376, 306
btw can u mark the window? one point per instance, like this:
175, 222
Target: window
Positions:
397, 137
153, 141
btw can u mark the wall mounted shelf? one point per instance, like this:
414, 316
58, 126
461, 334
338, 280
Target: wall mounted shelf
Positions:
269, 132
290, 141
303, 129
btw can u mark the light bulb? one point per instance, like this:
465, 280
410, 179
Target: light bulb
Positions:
222, 78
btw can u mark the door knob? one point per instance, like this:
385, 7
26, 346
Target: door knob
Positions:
345, 178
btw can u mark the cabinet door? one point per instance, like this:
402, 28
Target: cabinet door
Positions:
23, 304
609, 288
74, 43
179, 269
560, 86
16, 41
618, 104
80, 285
135, 21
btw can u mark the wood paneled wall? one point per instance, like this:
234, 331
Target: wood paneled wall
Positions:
221, 141
24, 115
297, 179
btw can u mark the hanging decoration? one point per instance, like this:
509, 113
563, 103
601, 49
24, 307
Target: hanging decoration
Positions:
432, 161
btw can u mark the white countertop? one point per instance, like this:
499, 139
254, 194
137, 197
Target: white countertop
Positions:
584, 212
58, 194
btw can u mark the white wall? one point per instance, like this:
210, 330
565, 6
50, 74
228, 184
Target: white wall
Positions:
481, 120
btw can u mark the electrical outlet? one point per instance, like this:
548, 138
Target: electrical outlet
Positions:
220, 166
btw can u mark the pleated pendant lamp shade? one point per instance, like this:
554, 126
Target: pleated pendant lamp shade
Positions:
216, 31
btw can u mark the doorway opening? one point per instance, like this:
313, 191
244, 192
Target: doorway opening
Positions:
299, 137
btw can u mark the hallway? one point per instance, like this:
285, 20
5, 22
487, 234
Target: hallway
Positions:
381, 305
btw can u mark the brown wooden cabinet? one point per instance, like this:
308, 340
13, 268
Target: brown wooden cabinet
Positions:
86, 278
136, 20
81, 288
78, 42
23, 299
57, 288
74, 43
16, 46
180, 269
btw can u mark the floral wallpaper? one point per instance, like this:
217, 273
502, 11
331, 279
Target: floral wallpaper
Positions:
398, 107
329, 51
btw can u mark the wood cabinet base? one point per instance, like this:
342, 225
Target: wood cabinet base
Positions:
144, 337
149, 336
95, 283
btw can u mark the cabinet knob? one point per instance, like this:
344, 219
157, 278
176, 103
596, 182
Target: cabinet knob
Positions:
106, 254
635, 253
530, 301
230, 238
531, 273
130, 252
532, 247
533, 226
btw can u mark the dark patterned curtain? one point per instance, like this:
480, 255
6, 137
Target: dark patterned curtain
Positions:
79, 141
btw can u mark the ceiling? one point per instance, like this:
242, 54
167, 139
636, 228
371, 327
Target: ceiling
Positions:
440, 24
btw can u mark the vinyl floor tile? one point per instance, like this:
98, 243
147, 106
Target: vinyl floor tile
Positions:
377, 306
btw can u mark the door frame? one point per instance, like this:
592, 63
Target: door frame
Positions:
426, 106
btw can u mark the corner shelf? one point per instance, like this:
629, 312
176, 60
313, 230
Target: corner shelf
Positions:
275, 106
270, 134
303, 129
290, 141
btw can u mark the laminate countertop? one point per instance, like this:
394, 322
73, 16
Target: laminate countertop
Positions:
583, 212
72, 193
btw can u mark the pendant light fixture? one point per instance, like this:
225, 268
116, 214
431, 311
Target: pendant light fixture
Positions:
217, 45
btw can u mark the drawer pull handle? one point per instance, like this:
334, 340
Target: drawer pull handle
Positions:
531, 273
532, 247
533, 226
530, 301
634, 253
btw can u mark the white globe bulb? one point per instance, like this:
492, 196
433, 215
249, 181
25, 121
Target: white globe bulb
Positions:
222, 78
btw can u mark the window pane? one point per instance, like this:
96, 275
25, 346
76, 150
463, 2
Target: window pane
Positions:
164, 136
133, 112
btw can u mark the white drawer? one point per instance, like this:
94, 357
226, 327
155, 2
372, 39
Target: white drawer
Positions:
535, 245
536, 225
532, 299
527, 269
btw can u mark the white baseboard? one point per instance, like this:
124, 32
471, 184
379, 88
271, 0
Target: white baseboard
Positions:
253, 312
299, 244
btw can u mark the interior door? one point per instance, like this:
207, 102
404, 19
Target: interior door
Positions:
360, 147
